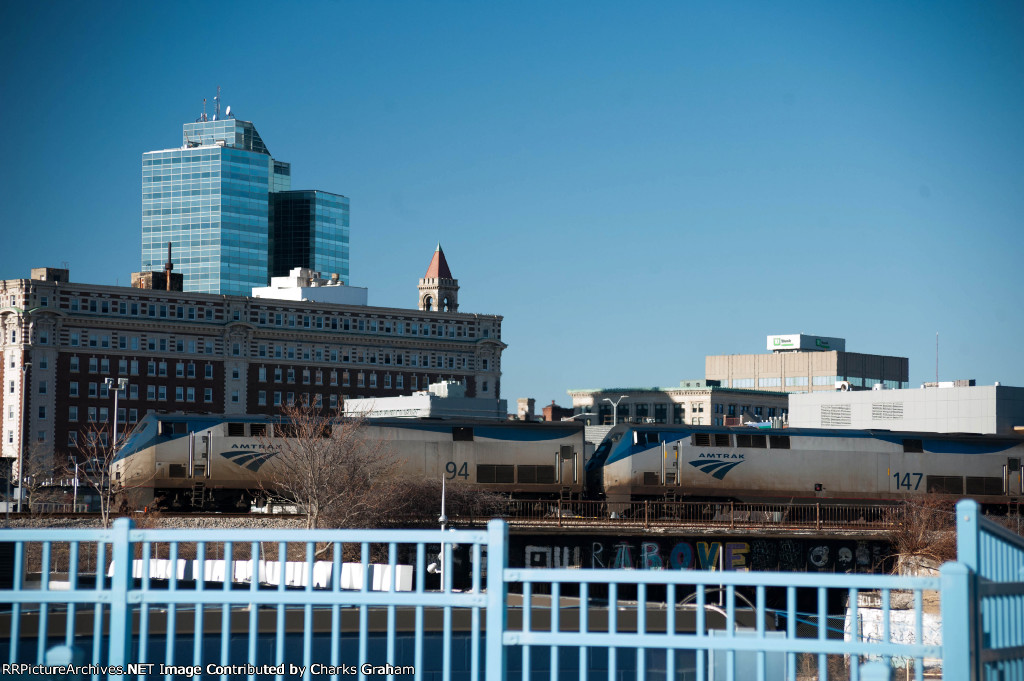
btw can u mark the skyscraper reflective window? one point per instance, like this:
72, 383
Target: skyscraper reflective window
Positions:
213, 200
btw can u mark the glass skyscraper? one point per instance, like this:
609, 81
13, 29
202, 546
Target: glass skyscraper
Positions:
309, 229
213, 200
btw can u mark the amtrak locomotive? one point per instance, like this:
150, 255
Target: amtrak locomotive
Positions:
207, 461
637, 462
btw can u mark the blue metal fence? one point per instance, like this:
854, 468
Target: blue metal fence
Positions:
322, 604
993, 560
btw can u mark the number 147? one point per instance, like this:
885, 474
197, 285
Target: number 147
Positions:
904, 481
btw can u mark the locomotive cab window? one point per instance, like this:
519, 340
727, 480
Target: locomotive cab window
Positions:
913, 446
236, 430
700, 440
779, 441
172, 428
721, 440
462, 434
645, 439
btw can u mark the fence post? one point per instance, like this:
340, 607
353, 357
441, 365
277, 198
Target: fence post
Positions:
497, 561
968, 529
732, 514
646, 518
559, 512
120, 584
817, 515
959, 647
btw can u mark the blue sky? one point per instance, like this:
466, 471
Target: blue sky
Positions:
632, 185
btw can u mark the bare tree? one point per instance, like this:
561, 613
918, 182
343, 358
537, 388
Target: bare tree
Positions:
37, 478
96, 455
924, 529
325, 463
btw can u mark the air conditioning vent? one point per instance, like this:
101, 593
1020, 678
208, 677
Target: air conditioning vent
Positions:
833, 415
886, 411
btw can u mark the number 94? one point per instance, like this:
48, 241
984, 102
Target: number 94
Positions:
453, 470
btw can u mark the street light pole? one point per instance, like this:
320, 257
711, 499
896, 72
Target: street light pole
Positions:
24, 430
117, 385
615, 408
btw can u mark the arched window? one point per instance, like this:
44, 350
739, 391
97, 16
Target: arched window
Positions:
428, 303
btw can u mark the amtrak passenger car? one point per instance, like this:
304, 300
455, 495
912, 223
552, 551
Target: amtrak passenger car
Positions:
636, 462
216, 461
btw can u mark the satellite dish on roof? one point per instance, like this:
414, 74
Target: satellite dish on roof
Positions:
227, 111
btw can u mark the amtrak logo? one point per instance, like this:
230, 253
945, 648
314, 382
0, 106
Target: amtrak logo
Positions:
252, 460
716, 468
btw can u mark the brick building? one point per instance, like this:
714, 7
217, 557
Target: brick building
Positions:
196, 352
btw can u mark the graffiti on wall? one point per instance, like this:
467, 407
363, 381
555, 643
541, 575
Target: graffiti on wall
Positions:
700, 554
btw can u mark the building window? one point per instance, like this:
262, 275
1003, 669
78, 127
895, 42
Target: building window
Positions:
74, 364
179, 394
209, 371
208, 395
373, 380
161, 392
261, 374
775, 382
151, 392
277, 399
42, 411
234, 396
133, 416
261, 398
72, 439
190, 394
72, 413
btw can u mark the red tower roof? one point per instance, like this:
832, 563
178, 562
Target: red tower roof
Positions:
438, 266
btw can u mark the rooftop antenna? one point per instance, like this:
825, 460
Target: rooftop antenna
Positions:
168, 266
216, 108
204, 109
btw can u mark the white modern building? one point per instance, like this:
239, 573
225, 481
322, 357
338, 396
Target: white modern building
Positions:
303, 284
445, 400
941, 408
